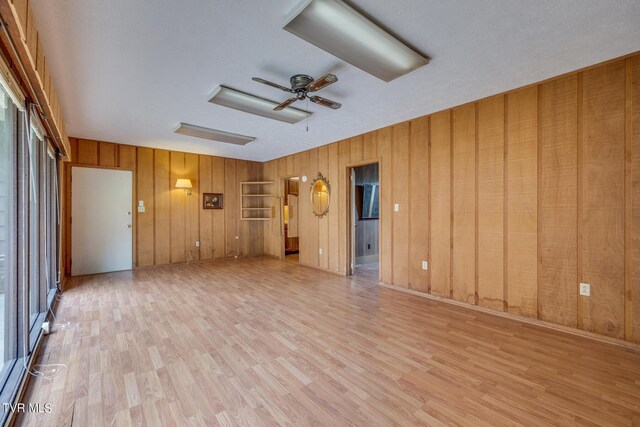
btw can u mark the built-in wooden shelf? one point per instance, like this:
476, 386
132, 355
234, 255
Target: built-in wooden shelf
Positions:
254, 201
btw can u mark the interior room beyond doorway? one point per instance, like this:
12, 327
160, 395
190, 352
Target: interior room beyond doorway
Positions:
365, 220
290, 218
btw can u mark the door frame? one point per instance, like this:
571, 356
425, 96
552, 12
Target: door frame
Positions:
349, 189
68, 170
280, 197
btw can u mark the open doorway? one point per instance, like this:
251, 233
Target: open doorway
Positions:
290, 218
365, 220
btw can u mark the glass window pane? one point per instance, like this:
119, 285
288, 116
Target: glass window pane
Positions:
34, 228
42, 224
8, 288
53, 223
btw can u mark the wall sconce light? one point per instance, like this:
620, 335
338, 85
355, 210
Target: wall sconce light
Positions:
184, 184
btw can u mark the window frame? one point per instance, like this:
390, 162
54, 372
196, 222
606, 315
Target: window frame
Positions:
11, 291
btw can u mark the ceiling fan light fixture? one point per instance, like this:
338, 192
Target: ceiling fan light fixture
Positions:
334, 26
213, 134
252, 104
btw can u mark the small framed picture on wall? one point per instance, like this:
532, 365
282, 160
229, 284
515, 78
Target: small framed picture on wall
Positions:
212, 200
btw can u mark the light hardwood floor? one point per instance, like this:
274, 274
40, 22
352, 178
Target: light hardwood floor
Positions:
369, 272
258, 341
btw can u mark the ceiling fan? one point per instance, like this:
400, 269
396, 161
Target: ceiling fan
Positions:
301, 85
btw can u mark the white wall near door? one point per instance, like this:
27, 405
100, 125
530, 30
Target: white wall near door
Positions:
101, 220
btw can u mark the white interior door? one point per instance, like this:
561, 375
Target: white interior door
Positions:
101, 220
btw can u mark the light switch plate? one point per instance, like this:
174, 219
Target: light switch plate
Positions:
585, 289
425, 265
396, 207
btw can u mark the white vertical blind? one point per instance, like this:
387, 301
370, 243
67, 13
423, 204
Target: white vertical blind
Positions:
11, 86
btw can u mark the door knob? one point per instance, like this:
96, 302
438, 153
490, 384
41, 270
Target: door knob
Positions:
128, 213
128, 225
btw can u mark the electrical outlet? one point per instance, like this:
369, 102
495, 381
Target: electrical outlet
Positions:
396, 207
425, 265
368, 245
320, 251
141, 209
585, 289
197, 243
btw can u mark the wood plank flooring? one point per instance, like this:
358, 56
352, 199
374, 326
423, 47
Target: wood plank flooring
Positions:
257, 341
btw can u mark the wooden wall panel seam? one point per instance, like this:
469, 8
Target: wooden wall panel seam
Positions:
628, 201
579, 136
477, 190
505, 214
451, 198
153, 197
170, 209
429, 202
633, 225
408, 216
538, 188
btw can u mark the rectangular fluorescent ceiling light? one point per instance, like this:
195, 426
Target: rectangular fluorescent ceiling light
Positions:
213, 134
235, 99
337, 28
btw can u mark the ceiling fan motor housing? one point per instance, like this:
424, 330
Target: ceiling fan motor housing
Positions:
299, 82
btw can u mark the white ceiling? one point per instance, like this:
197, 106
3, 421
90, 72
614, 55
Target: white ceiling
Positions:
130, 71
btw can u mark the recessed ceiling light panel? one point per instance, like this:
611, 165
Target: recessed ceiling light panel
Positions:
248, 103
213, 134
334, 26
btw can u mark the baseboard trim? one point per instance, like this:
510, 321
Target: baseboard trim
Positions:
193, 261
523, 319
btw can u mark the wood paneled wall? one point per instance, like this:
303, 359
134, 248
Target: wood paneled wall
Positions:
513, 200
172, 222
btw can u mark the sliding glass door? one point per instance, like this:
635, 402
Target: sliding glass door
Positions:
28, 237
34, 227
8, 236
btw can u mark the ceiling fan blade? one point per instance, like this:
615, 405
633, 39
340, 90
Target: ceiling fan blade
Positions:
321, 82
268, 83
325, 102
285, 104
